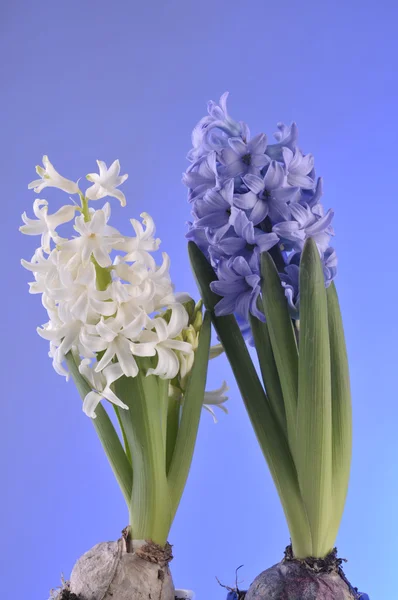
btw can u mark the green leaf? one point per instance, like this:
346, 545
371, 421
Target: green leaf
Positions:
341, 409
163, 396
107, 434
313, 453
173, 423
125, 440
283, 341
268, 432
269, 371
150, 510
190, 417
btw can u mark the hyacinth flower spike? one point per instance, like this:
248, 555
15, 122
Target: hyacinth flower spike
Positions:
131, 344
266, 277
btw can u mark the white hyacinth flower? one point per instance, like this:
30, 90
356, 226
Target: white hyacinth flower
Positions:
216, 398
148, 287
79, 296
65, 337
160, 334
138, 248
105, 182
45, 224
51, 178
96, 238
100, 383
114, 339
103, 310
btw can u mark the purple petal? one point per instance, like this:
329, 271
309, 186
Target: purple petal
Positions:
254, 183
322, 224
258, 144
259, 212
232, 245
245, 201
226, 306
301, 214
265, 241
238, 146
274, 176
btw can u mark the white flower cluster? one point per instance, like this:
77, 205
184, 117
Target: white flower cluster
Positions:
102, 308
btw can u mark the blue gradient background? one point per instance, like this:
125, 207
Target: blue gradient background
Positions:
129, 80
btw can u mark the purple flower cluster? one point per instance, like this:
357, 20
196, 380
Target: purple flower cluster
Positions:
247, 197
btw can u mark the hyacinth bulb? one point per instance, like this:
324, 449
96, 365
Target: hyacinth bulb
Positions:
109, 572
310, 579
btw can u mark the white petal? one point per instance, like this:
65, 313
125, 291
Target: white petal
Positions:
178, 345
133, 329
143, 349
125, 357
106, 359
168, 364
90, 403
178, 320
111, 396
112, 373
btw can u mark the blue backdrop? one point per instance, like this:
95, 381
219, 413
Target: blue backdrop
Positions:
126, 79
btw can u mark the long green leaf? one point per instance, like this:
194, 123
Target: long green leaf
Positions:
150, 511
283, 341
117, 410
190, 417
268, 369
268, 432
107, 434
314, 412
341, 409
173, 423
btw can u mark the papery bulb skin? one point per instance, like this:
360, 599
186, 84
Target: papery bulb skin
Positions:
109, 572
310, 579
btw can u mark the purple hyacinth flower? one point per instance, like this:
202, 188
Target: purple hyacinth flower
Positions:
244, 157
307, 223
214, 210
286, 137
212, 132
268, 195
312, 196
239, 286
298, 168
245, 330
247, 241
201, 176
232, 596
329, 262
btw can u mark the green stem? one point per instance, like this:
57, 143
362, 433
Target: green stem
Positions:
85, 211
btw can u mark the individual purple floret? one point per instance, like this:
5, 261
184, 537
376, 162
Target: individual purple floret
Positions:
239, 286
247, 197
245, 240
